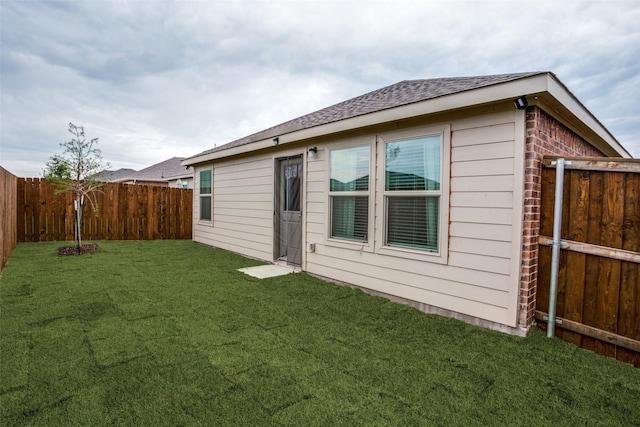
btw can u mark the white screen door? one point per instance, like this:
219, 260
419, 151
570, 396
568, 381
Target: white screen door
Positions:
288, 211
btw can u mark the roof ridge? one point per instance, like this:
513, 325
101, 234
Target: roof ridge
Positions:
159, 171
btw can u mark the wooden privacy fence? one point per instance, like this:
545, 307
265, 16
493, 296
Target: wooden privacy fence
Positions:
124, 212
598, 298
8, 235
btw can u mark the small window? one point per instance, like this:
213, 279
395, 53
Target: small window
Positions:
349, 193
292, 174
412, 193
205, 195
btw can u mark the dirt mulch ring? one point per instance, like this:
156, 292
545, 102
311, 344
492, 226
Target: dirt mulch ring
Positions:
73, 250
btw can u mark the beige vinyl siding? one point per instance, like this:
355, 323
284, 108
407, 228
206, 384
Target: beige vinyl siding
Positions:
483, 156
489, 151
316, 198
481, 167
486, 199
479, 183
391, 269
498, 249
433, 284
478, 278
242, 208
488, 232
492, 215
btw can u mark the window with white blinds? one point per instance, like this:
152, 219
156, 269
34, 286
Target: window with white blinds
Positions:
349, 193
412, 192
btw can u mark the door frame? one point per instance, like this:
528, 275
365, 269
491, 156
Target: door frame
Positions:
278, 211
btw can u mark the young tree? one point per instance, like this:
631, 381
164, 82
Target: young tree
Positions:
74, 171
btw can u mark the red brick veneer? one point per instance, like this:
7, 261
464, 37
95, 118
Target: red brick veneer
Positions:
545, 136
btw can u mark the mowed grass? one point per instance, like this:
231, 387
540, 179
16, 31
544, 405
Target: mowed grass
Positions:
168, 333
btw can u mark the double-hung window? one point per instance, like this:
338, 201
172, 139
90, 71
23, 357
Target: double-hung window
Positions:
349, 193
205, 195
412, 193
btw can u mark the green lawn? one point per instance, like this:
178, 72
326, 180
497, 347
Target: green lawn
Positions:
169, 333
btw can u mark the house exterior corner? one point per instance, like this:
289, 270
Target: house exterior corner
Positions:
545, 136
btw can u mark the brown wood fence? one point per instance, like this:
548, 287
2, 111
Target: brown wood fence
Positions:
8, 209
598, 299
124, 212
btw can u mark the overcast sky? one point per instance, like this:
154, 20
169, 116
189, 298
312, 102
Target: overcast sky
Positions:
157, 79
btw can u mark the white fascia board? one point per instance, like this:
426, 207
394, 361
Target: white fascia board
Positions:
181, 176
565, 98
135, 179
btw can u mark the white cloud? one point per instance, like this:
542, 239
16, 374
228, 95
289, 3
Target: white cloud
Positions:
159, 79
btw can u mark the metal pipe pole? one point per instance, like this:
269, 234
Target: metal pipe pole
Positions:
555, 247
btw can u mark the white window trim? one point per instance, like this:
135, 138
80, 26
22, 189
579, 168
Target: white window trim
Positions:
197, 187
441, 255
346, 243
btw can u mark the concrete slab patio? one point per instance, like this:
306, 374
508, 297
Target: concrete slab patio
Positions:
266, 271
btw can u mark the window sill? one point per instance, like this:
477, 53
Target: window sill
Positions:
349, 244
414, 254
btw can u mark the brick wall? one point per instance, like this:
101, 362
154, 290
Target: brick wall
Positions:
545, 136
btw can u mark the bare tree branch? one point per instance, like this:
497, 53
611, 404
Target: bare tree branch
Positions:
75, 171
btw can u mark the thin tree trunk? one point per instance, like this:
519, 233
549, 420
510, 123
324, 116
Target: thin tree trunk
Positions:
78, 222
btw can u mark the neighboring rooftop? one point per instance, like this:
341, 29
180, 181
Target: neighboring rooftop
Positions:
398, 94
116, 175
158, 172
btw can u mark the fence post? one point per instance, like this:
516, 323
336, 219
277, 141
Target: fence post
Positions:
555, 248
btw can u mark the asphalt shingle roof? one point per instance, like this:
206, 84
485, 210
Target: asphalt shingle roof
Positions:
109, 175
160, 171
396, 95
